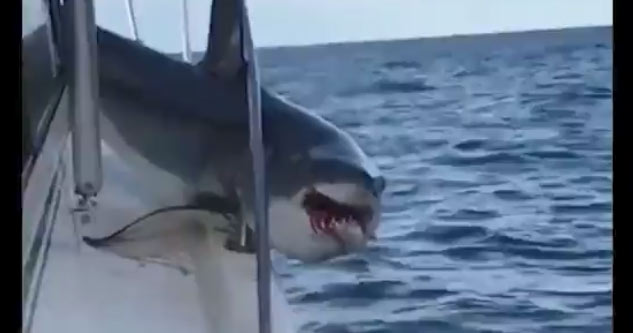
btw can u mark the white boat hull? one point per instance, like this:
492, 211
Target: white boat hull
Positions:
79, 289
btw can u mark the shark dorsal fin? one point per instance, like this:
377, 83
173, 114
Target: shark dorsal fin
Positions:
223, 56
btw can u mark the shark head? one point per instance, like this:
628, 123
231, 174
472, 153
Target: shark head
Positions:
324, 192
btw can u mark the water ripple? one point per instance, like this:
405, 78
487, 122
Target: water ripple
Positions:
497, 151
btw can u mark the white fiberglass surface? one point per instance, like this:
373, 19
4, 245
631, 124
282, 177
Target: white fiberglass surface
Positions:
88, 290
85, 290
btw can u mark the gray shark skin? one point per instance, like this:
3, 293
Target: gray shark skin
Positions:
185, 131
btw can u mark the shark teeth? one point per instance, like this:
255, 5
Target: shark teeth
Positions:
319, 206
322, 223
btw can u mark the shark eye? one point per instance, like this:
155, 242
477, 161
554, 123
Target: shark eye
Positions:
379, 185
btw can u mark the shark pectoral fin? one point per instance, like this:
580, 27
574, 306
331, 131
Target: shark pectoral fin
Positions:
165, 236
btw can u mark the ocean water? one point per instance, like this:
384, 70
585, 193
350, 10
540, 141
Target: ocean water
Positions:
497, 152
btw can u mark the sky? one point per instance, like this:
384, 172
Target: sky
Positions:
305, 22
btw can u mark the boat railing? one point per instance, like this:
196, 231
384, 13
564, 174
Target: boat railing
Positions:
84, 97
185, 34
259, 173
86, 141
186, 46
131, 19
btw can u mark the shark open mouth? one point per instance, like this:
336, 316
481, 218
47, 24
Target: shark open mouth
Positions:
326, 214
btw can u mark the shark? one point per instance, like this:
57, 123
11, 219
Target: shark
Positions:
184, 130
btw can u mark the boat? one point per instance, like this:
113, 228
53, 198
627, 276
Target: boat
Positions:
69, 285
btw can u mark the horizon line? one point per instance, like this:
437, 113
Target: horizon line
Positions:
448, 36
404, 39
442, 36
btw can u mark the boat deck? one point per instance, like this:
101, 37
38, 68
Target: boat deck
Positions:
85, 290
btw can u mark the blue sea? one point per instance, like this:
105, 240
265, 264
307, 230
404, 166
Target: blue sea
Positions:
497, 150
